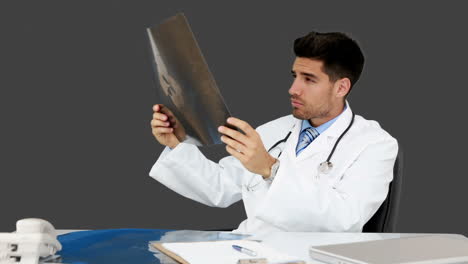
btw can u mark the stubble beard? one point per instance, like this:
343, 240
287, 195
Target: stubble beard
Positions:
310, 113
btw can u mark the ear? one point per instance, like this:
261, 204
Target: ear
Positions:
342, 87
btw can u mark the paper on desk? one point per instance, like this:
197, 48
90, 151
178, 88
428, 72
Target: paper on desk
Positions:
222, 252
189, 236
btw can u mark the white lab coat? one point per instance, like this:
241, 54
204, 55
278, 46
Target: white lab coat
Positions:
300, 198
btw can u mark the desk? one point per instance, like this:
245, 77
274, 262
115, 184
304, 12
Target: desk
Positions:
126, 243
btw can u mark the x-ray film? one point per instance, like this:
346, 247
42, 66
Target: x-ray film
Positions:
184, 84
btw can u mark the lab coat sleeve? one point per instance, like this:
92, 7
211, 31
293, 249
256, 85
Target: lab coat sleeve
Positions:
343, 206
188, 172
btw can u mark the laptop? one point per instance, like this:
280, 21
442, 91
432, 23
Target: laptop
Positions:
424, 249
184, 83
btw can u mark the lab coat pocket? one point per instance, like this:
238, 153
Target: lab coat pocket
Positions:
346, 161
313, 172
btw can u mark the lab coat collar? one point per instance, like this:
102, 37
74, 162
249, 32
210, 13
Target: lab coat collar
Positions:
337, 128
324, 140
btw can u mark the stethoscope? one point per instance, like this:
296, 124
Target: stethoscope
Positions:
324, 167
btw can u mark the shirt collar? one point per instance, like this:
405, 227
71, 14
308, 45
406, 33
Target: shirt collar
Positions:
320, 129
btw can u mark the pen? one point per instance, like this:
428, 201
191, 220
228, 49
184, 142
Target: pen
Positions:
245, 250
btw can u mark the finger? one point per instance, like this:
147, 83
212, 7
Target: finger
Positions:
163, 130
165, 110
234, 144
159, 116
159, 123
172, 119
168, 113
238, 136
235, 153
156, 107
244, 126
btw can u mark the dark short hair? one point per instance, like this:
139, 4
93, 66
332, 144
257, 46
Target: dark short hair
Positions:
341, 55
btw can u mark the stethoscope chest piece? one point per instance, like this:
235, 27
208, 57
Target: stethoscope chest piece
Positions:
325, 167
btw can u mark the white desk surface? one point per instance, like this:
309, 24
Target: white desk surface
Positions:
298, 243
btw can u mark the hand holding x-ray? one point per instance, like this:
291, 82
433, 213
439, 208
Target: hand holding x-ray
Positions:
166, 128
247, 146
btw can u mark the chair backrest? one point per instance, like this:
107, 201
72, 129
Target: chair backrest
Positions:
385, 219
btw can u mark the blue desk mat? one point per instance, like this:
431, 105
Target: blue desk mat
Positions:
119, 246
113, 246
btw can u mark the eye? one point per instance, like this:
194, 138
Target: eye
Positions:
309, 80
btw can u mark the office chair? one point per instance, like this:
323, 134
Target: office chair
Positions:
385, 219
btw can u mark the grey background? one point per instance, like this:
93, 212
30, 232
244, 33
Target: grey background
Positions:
76, 94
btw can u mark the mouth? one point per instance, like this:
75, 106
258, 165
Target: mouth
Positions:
296, 103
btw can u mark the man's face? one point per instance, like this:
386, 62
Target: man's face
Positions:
312, 92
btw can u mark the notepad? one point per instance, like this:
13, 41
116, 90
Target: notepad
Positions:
216, 252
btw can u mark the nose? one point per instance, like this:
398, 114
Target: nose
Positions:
295, 87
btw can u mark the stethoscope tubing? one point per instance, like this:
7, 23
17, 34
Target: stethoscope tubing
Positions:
325, 166
334, 146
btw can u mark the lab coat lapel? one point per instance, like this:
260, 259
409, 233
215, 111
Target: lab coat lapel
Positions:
317, 146
325, 140
292, 142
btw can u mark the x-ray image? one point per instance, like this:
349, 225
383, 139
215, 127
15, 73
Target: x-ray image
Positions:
184, 83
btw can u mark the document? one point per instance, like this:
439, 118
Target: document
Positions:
215, 252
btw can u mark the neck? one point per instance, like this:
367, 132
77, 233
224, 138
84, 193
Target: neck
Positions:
336, 111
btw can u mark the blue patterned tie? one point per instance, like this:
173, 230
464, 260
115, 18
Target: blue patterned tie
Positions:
306, 137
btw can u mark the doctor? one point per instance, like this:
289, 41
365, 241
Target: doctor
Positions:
320, 169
